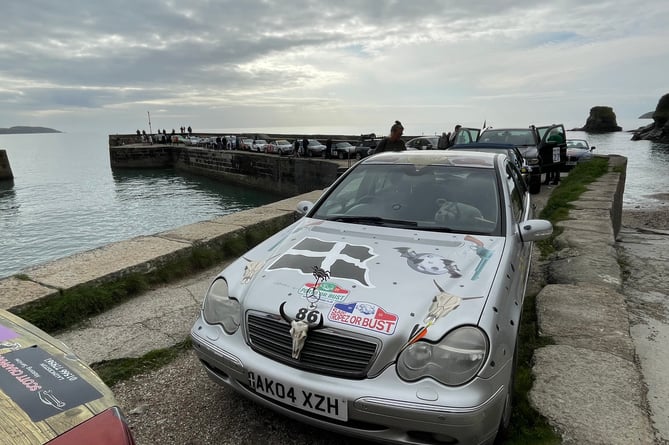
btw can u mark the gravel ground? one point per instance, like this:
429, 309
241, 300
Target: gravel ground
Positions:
178, 404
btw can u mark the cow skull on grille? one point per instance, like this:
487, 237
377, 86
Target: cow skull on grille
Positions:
299, 329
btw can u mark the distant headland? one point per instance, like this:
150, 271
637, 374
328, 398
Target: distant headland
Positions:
27, 130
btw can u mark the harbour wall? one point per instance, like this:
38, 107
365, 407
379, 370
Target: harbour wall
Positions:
286, 176
5, 168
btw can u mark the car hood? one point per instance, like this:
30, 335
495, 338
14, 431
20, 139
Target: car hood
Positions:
45, 389
382, 282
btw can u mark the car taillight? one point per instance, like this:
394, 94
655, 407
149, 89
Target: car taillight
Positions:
106, 428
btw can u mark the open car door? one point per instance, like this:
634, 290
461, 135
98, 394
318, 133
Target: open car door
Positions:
552, 146
466, 135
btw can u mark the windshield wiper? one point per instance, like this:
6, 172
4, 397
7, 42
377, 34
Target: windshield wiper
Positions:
375, 220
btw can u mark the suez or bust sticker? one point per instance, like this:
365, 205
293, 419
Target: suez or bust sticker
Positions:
364, 315
314, 402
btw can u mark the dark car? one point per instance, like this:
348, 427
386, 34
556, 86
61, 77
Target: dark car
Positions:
544, 148
366, 147
423, 143
343, 150
511, 151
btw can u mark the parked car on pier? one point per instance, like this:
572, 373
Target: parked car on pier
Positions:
578, 150
246, 144
510, 150
343, 150
315, 148
423, 143
259, 145
366, 147
48, 395
542, 147
281, 147
391, 310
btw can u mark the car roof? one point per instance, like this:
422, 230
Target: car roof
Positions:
476, 145
469, 158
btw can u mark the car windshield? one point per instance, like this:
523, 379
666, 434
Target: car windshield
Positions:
282, 142
515, 137
577, 144
441, 198
343, 145
314, 142
261, 141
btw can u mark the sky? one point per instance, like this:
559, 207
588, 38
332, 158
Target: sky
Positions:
353, 66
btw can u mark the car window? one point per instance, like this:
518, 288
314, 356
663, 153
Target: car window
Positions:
439, 197
517, 189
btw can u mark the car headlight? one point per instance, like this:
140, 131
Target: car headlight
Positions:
533, 161
219, 308
453, 361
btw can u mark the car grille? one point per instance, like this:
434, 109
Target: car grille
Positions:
326, 351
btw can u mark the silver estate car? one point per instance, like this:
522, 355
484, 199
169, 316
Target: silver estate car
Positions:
390, 310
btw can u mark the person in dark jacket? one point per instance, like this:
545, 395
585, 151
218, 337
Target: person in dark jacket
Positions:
328, 148
393, 142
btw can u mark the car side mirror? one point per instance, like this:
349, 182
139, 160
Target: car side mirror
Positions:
303, 207
592, 148
535, 230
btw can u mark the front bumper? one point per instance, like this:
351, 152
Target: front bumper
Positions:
383, 408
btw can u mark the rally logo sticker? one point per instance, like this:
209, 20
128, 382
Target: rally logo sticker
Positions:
364, 315
326, 292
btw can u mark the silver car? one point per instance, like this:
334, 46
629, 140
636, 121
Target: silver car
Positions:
390, 310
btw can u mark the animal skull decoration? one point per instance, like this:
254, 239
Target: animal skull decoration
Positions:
299, 327
298, 331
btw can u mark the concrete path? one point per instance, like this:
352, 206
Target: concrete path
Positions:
646, 289
159, 318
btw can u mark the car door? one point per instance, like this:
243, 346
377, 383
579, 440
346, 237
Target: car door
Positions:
467, 135
521, 211
552, 145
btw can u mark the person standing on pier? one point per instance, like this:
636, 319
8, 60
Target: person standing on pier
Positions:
303, 149
393, 142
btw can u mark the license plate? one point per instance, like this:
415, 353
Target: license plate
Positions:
314, 402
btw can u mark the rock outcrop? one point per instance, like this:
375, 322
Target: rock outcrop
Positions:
601, 120
5, 168
658, 131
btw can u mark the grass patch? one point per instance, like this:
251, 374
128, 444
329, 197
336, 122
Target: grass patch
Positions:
527, 425
22, 277
72, 306
570, 189
114, 371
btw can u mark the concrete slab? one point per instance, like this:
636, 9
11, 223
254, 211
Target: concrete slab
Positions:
15, 293
201, 232
574, 387
141, 253
586, 241
587, 317
598, 226
251, 217
587, 269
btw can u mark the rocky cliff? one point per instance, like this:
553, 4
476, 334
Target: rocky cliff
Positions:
601, 120
658, 131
